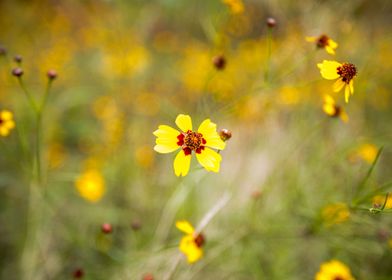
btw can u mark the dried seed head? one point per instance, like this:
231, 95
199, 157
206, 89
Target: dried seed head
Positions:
219, 62
78, 273
347, 72
271, 22
225, 134
18, 58
17, 72
200, 240
52, 74
106, 228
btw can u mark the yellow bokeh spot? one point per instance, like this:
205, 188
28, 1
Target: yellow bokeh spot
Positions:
91, 185
336, 213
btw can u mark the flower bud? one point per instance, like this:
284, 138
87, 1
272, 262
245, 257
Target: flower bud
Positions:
106, 228
136, 225
17, 72
219, 62
271, 22
3, 51
18, 58
52, 74
225, 134
148, 276
78, 273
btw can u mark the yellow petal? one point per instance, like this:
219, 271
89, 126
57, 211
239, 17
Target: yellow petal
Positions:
184, 122
338, 85
165, 149
165, 131
344, 117
209, 159
6, 115
10, 124
185, 226
329, 109
329, 50
329, 99
332, 44
311, 39
4, 131
328, 69
208, 130
181, 164
351, 84
346, 93
166, 141
190, 249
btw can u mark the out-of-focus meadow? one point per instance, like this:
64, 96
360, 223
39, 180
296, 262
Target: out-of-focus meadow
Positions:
302, 190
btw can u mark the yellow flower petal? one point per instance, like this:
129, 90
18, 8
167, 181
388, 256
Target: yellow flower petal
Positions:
329, 50
166, 141
311, 39
344, 117
209, 159
351, 84
208, 129
329, 109
338, 85
185, 226
190, 249
4, 131
165, 131
181, 164
6, 115
10, 124
332, 44
346, 93
328, 69
184, 122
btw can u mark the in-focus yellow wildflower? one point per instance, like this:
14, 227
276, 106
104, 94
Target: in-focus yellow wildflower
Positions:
379, 200
343, 73
170, 139
367, 152
332, 109
6, 123
91, 185
191, 243
334, 270
236, 6
336, 213
324, 42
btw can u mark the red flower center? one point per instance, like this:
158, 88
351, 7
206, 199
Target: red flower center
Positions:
191, 141
199, 240
322, 41
347, 72
1, 121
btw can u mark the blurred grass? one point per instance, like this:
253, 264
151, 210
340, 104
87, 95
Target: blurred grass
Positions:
126, 67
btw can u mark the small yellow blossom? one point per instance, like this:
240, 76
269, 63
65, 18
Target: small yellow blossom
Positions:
6, 123
191, 243
236, 6
343, 73
334, 270
170, 139
324, 42
380, 200
336, 213
333, 110
91, 185
367, 152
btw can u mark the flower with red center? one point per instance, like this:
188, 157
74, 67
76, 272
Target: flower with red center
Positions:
191, 243
334, 270
324, 42
6, 123
333, 110
343, 72
200, 142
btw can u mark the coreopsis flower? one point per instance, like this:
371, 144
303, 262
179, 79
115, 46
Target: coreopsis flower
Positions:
6, 123
366, 152
200, 142
191, 243
334, 270
236, 6
336, 213
343, 73
91, 185
323, 42
332, 109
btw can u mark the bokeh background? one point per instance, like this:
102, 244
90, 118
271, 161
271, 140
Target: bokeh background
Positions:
125, 67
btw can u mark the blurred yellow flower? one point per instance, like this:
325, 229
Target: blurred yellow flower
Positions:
6, 122
333, 110
191, 243
144, 156
336, 213
91, 185
380, 200
343, 73
367, 152
236, 6
334, 270
390, 243
324, 42
170, 139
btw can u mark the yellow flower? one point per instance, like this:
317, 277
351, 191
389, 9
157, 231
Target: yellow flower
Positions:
333, 110
6, 123
169, 140
324, 42
91, 185
343, 72
367, 152
334, 270
335, 213
236, 6
380, 199
191, 243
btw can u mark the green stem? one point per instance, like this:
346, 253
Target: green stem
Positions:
30, 99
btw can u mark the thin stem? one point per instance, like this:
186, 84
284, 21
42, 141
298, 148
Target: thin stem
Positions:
31, 101
173, 268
